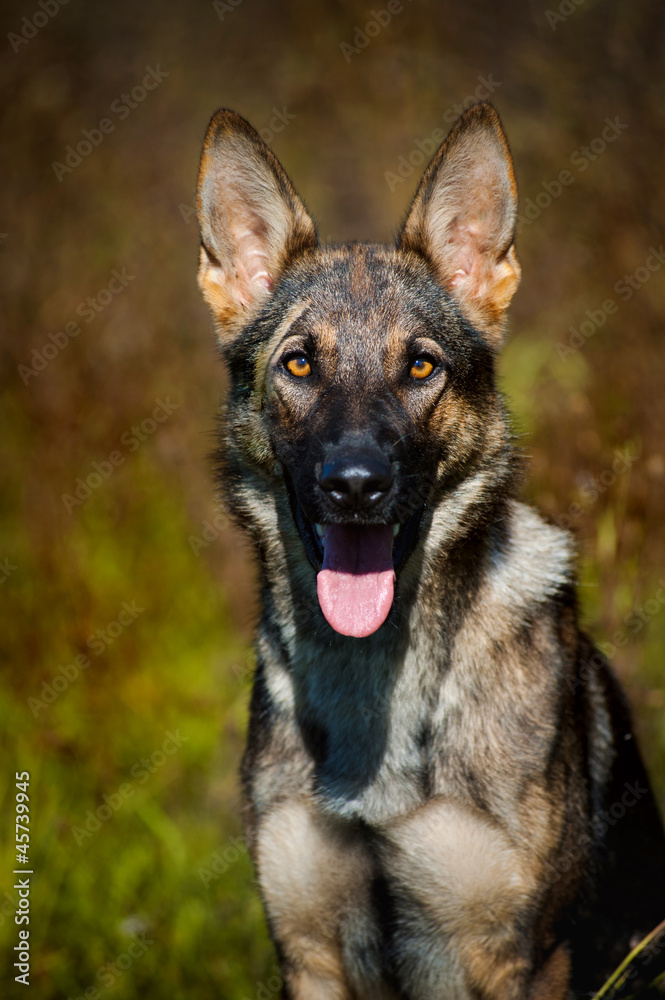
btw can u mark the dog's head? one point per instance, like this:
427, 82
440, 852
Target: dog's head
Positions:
362, 375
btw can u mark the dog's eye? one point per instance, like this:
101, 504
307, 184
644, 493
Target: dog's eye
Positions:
421, 368
298, 365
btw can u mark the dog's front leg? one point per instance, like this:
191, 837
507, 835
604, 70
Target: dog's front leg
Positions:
315, 876
464, 895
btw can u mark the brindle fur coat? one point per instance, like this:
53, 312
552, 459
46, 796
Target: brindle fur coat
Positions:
435, 766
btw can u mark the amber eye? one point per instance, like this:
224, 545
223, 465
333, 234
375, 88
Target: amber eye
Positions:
299, 365
421, 368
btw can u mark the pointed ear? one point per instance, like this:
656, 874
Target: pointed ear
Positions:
463, 218
252, 222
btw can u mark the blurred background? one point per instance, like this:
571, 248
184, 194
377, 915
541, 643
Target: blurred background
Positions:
126, 600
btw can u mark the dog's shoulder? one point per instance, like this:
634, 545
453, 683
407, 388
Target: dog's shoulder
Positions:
531, 562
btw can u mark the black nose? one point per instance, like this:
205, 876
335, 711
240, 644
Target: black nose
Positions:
356, 481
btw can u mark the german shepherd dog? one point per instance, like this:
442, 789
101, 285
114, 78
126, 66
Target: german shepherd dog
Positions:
443, 794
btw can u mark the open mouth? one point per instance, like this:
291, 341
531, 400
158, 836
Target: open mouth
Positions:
356, 566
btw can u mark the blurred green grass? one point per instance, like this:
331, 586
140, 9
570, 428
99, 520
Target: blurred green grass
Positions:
183, 665
166, 673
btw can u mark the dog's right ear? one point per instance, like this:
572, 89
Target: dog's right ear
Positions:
252, 222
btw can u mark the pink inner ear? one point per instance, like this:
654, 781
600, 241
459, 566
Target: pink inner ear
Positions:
462, 220
251, 264
464, 250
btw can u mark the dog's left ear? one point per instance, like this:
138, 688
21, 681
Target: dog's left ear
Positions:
252, 222
463, 219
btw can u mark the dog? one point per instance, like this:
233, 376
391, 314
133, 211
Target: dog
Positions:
443, 795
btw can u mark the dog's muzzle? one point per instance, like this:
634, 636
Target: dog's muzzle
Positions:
355, 585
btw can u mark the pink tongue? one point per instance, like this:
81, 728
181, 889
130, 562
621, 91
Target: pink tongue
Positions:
356, 584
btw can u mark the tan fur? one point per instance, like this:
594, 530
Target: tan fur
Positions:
313, 873
473, 885
269, 352
551, 983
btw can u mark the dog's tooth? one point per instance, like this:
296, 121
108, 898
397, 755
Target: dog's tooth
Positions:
321, 532
396, 528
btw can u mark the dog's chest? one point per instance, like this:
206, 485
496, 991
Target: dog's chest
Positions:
366, 721
386, 731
